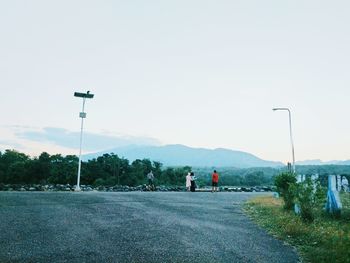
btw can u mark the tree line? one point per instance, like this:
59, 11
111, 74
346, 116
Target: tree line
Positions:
108, 169
231, 176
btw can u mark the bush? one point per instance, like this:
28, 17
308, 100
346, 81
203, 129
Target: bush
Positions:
99, 182
325, 240
286, 185
309, 197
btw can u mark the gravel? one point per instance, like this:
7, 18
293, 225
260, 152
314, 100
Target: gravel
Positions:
133, 227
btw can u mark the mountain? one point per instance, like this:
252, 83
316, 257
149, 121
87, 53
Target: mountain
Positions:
346, 162
180, 155
310, 162
320, 162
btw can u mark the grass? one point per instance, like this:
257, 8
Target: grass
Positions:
327, 239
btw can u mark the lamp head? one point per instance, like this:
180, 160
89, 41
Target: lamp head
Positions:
86, 95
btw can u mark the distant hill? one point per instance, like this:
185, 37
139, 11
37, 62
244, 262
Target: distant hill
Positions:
180, 155
310, 162
320, 162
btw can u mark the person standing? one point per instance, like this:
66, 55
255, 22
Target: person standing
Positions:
188, 181
193, 182
150, 177
214, 181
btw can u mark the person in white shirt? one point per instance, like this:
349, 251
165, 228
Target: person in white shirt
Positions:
188, 181
150, 177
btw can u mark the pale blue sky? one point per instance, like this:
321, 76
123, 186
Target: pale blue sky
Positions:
199, 73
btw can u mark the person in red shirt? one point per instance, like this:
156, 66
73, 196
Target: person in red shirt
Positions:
215, 181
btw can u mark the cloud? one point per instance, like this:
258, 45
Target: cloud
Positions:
9, 144
91, 141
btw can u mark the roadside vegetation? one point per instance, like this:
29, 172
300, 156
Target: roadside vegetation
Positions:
111, 169
107, 170
318, 236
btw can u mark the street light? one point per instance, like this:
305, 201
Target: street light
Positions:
290, 131
82, 115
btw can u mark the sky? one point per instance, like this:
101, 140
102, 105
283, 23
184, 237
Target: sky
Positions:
199, 73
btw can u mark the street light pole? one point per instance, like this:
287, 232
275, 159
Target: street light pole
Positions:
290, 132
82, 115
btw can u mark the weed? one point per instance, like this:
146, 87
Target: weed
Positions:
326, 239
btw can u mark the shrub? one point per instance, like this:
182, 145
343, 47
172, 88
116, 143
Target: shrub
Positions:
309, 197
99, 182
286, 185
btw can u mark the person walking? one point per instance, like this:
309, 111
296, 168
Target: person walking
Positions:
188, 181
214, 181
193, 182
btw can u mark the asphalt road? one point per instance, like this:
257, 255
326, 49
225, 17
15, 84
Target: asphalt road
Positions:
133, 227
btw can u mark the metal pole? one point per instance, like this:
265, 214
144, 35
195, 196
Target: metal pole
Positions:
291, 138
290, 133
81, 142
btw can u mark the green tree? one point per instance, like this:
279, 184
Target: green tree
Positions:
255, 178
138, 170
16, 173
12, 165
63, 169
286, 187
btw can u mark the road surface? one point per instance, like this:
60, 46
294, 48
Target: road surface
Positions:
133, 227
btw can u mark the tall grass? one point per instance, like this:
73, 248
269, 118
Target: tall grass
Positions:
326, 239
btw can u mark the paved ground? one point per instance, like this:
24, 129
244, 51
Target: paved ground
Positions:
133, 227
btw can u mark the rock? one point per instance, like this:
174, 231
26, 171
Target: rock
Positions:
101, 188
119, 188
267, 188
16, 187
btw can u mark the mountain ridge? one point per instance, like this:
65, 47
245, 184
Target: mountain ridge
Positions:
181, 155
320, 162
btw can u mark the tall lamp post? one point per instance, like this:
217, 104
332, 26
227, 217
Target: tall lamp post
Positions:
290, 132
82, 115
